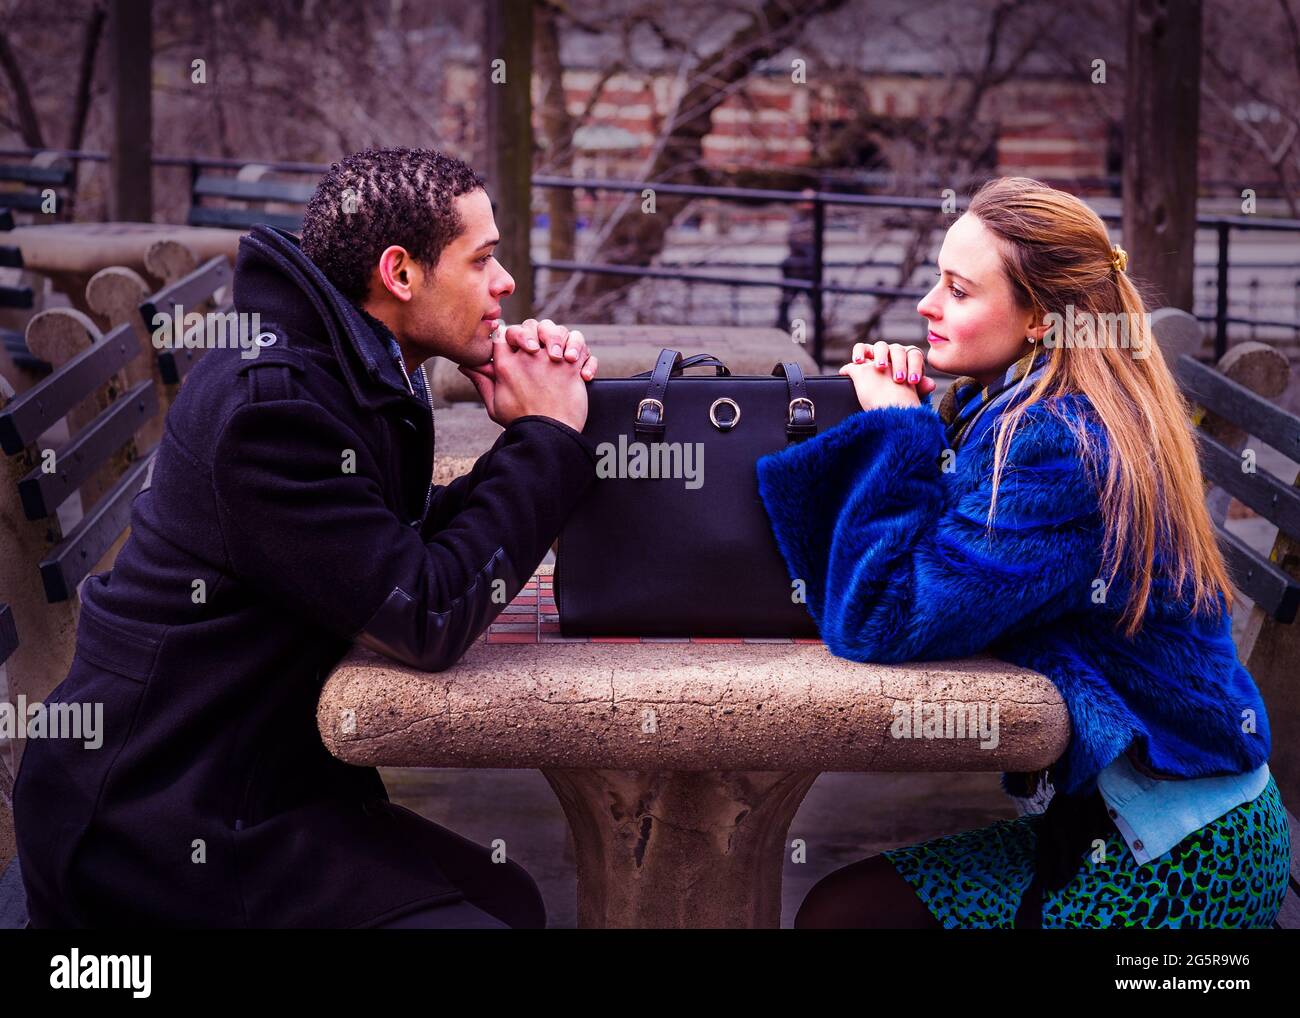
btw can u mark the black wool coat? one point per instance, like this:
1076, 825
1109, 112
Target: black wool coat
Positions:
255, 559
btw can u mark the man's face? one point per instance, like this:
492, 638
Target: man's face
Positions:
449, 311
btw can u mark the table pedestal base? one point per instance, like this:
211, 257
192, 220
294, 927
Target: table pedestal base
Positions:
681, 849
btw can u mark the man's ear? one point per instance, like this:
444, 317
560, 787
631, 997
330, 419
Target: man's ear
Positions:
398, 272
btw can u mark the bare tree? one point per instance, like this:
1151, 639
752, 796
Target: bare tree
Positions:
1251, 88
628, 237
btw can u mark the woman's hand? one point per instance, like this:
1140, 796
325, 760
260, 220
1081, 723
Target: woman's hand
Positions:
895, 377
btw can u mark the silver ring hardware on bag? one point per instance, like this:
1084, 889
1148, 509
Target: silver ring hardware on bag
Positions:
713, 414
812, 410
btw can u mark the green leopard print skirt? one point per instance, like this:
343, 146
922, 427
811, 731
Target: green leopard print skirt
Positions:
1230, 874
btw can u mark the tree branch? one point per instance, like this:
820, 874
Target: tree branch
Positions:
30, 124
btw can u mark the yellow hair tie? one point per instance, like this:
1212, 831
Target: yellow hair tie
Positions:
1118, 258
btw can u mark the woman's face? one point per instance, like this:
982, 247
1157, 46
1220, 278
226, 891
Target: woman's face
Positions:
976, 328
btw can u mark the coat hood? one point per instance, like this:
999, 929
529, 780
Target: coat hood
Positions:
274, 277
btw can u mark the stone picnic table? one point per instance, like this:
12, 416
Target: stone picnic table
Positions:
679, 763
70, 253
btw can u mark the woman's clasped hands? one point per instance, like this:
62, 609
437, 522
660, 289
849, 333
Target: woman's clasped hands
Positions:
888, 374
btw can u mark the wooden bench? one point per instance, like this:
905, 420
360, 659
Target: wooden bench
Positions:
99, 459
254, 195
1234, 411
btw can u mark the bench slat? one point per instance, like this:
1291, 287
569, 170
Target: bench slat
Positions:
42, 493
16, 297
1234, 402
30, 415
189, 291
15, 345
27, 174
1261, 491
253, 190
68, 564
243, 219
8, 633
25, 201
1272, 590
174, 365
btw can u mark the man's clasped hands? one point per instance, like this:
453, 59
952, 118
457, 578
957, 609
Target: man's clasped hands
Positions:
537, 368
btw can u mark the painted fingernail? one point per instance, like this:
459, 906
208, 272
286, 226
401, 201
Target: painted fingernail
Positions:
913, 379
555, 349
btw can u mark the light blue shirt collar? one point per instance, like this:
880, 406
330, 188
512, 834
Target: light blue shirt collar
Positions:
1153, 815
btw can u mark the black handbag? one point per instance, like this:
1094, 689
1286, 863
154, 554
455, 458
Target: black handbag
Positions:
673, 539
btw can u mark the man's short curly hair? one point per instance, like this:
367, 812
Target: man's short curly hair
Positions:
379, 197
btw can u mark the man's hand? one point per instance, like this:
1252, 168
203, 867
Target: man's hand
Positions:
517, 383
560, 343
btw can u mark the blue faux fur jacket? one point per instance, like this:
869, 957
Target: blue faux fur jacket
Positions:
888, 534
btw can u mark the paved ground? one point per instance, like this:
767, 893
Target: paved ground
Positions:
843, 818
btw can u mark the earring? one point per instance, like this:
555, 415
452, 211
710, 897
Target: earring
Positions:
1031, 339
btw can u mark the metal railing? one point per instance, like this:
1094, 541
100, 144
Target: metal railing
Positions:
815, 285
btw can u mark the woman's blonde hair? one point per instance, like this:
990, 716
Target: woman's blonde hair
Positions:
1057, 254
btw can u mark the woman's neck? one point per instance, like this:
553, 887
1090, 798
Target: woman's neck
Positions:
988, 378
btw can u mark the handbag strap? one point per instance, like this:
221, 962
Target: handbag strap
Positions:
801, 414
690, 362
650, 411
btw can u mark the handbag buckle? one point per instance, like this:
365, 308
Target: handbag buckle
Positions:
812, 410
641, 406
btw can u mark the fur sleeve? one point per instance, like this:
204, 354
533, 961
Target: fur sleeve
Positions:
887, 529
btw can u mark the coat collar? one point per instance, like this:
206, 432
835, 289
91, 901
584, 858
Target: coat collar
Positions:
274, 277
966, 398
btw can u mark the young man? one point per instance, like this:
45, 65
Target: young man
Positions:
289, 513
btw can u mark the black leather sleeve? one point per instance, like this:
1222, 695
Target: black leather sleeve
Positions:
323, 542
448, 499
432, 640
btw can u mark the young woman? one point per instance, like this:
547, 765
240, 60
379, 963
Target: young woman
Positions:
1050, 512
